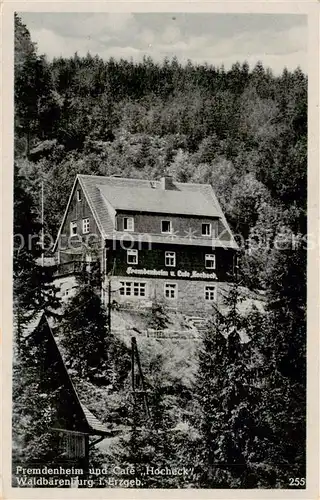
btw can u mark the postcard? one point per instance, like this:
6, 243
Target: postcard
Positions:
160, 250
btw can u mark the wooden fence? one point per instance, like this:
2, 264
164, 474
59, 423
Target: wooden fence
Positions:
159, 334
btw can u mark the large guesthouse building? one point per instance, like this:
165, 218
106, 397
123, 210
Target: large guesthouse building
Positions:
160, 241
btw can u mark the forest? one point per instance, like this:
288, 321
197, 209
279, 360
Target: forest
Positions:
244, 131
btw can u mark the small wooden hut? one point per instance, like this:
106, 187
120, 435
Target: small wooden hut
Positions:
74, 428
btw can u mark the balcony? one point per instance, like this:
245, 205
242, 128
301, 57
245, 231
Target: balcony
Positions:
70, 268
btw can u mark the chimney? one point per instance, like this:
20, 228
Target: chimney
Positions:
167, 182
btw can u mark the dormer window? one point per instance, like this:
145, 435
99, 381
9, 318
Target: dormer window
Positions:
166, 226
206, 229
128, 224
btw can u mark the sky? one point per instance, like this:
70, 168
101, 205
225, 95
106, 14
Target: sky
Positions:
278, 40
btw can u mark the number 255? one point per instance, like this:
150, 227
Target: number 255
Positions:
297, 481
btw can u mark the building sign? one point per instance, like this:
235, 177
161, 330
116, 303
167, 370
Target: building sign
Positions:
198, 275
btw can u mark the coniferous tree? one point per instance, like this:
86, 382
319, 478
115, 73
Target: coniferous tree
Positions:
33, 284
84, 332
24, 61
228, 395
285, 347
92, 351
36, 109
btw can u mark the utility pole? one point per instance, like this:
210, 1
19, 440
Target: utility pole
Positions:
135, 391
42, 224
110, 274
109, 304
133, 381
18, 328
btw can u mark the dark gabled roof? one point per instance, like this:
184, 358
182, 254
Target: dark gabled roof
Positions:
82, 419
160, 201
107, 195
93, 422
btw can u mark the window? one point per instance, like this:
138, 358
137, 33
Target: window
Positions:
73, 228
79, 195
210, 292
210, 261
125, 287
139, 289
206, 229
170, 259
171, 290
135, 288
85, 226
132, 256
128, 224
166, 226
